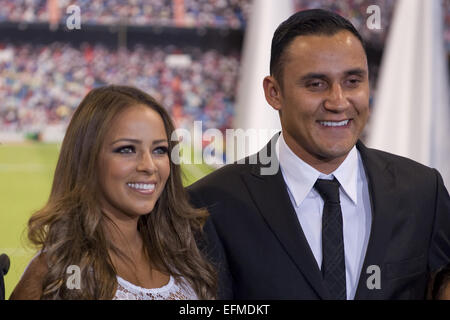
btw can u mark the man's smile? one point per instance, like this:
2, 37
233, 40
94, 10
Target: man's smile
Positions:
343, 123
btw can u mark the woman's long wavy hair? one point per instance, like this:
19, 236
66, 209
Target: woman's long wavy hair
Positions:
70, 229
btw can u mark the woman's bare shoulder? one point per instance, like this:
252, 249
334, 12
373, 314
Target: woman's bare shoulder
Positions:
29, 286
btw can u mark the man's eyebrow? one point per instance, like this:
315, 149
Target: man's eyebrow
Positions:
313, 75
323, 76
356, 72
137, 141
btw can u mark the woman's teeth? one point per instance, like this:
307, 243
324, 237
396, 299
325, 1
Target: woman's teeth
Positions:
141, 186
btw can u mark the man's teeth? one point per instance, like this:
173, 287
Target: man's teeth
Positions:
334, 123
141, 186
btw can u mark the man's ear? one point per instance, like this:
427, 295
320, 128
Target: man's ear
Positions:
272, 92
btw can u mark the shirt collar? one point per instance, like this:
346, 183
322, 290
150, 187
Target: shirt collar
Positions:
300, 177
347, 174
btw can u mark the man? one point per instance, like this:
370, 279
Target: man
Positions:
339, 220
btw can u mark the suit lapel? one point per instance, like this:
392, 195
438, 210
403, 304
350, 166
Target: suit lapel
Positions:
272, 199
381, 182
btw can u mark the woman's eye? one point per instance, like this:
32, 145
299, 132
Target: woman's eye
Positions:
161, 150
125, 149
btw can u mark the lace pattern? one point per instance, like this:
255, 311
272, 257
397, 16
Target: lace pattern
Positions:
174, 290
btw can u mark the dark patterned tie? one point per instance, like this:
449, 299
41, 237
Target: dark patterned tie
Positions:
333, 258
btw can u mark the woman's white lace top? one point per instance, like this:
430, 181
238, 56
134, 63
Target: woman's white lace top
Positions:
174, 290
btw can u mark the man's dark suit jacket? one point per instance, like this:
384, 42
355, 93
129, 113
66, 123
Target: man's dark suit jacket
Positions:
254, 237
2, 287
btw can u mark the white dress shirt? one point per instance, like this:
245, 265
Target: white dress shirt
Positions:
308, 204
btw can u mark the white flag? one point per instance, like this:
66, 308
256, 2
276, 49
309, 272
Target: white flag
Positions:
411, 115
252, 110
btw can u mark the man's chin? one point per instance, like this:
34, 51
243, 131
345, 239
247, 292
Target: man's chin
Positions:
335, 152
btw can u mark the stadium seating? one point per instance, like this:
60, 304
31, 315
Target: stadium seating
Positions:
41, 85
185, 13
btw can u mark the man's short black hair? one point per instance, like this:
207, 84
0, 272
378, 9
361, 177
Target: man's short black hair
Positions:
308, 22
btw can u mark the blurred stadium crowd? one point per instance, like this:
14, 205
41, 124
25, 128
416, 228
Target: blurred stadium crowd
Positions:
356, 12
182, 13
42, 84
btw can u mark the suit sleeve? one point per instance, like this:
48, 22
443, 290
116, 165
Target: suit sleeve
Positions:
439, 253
211, 245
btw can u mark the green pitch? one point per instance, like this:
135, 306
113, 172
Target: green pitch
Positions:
26, 173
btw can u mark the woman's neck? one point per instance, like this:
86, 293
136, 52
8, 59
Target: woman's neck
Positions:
123, 233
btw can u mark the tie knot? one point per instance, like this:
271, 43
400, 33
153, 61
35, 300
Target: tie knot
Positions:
328, 189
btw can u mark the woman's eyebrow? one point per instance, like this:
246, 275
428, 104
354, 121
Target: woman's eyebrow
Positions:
160, 141
137, 141
126, 140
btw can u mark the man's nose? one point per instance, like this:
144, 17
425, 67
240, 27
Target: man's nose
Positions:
336, 99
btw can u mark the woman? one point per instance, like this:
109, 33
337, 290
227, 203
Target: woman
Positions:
117, 211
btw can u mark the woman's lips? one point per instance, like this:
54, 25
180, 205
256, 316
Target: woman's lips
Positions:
142, 188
